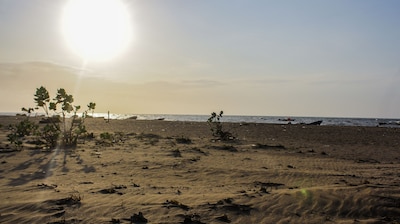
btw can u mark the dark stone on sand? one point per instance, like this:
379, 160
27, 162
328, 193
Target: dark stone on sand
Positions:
175, 204
115, 221
192, 219
264, 146
138, 218
86, 182
224, 218
108, 191
267, 185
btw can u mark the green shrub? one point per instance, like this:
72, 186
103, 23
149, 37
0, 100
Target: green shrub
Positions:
106, 136
108, 139
214, 121
57, 128
24, 128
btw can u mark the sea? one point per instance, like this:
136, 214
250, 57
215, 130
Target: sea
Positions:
329, 121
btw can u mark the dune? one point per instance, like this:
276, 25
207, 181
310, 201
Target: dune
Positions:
177, 172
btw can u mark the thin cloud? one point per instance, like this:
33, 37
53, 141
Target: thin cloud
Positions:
267, 81
345, 81
202, 83
40, 65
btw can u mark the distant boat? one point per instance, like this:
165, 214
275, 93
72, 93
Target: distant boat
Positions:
315, 123
286, 119
389, 123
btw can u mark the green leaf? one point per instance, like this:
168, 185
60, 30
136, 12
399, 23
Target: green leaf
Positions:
91, 106
41, 96
53, 106
69, 98
67, 107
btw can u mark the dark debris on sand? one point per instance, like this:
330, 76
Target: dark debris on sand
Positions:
138, 218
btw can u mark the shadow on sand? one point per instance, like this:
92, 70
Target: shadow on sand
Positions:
47, 163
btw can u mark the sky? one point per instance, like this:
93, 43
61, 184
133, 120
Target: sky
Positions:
338, 58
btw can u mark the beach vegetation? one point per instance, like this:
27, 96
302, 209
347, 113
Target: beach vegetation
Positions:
175, 204
214, 121
62, 107
92, 106
73, 199
61, 126
109, 139
107, 136
26, 127
106, 139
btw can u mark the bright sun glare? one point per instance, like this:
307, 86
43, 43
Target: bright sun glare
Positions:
96, 29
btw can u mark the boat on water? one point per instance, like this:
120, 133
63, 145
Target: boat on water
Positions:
315, 123
286, 119
389, 123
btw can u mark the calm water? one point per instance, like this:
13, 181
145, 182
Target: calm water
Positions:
384, 122
262, 119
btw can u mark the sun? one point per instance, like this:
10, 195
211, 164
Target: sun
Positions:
96, 30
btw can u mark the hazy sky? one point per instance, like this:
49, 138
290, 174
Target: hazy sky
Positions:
247, 57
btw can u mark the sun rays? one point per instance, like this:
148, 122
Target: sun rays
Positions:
96, 30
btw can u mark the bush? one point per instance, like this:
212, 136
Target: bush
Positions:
214, 121
22, 129
56, 130
108, 139
107, 136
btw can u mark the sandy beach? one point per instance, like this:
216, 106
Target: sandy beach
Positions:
176, 172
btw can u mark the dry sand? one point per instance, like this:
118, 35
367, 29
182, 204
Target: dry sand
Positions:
174, 172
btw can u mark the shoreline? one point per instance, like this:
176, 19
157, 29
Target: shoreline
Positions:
324, 121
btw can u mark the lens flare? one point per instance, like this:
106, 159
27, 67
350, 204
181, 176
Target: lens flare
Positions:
96, 29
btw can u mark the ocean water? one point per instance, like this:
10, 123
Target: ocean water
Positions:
331, 121
263, 119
